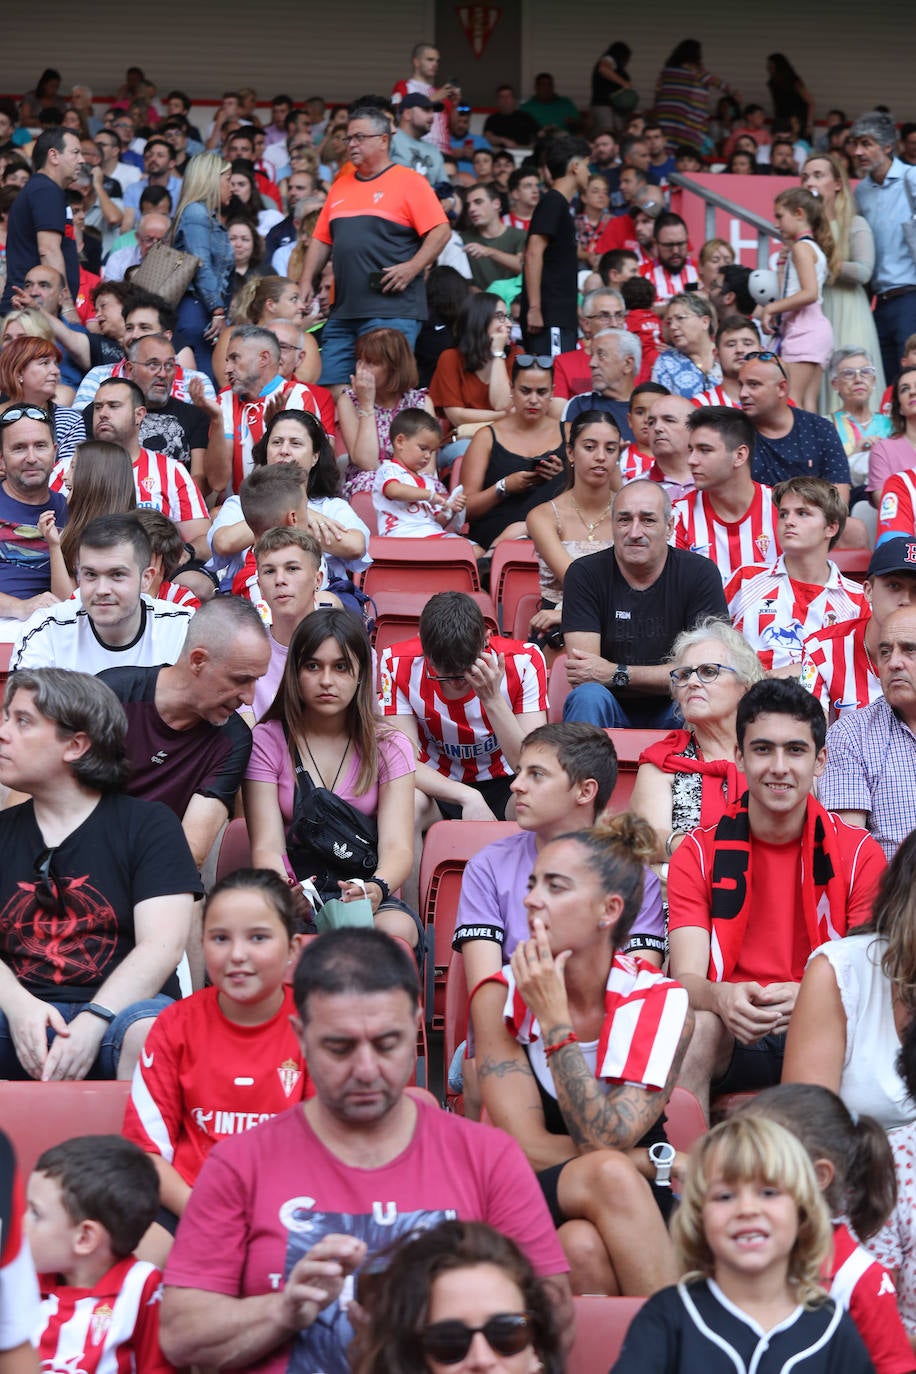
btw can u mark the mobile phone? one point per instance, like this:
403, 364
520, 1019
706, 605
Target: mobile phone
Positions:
375, 281
692, 286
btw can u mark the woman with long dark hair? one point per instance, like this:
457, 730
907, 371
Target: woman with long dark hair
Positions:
789, 94
471, 384
682, 97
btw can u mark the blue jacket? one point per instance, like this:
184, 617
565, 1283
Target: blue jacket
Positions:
201, 233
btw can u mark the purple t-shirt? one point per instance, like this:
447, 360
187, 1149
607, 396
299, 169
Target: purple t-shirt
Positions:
493, 889
270, 762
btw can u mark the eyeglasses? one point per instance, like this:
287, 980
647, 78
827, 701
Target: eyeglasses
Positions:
612, 316
766, 356
14, 413
507, 1333
291, 348
361, 138
157, 365
446, 677
706, 672
541, 360
500, 314
849, 374
676, 243
47, 889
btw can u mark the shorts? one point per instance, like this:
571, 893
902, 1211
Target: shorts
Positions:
106, 1063
495, 792
807, 337
167, 1220
395, 903
752, 1067
549, 1180
338, 344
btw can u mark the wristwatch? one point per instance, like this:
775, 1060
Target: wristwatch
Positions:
662, 1155
501, 488
96, 1009
622, 676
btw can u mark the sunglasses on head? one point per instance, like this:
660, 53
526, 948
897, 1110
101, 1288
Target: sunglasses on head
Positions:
506, 1333
766, 356
542, 360
14, 413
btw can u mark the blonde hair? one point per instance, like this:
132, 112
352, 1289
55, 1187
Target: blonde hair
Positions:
33, 322
201, 184
744, 1149
797, 199
713, 246
844, 207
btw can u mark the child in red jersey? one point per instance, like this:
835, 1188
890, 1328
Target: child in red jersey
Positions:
226, 1058
90, 1200
855, 1169
639, 298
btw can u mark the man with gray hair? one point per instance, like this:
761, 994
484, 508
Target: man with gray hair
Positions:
381, 228
615, 360
239, 415
601, 309
886, 197
152, 228
170, 426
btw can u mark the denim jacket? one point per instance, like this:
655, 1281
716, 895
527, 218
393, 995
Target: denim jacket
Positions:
201, 233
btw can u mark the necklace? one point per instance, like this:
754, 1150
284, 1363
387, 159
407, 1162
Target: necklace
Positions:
308, 750
590, 526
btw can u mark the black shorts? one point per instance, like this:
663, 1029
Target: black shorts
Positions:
167, 1220
495, 792
752, 1067
549, 1179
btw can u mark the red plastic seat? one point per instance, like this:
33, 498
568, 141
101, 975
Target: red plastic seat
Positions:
234, 849
36, 1116
446, 850
685, 1122
558, 688
601, 1324
528, 607
420, 565
361, 504
513, 574
456, 1023
852, 562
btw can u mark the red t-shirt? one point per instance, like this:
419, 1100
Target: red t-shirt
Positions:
201, 1078
860, 1284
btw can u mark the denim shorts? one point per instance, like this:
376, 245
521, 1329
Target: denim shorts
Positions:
106, 1063
338, 344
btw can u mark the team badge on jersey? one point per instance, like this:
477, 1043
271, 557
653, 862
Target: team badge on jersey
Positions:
762, 543
289, 1074
100, 1323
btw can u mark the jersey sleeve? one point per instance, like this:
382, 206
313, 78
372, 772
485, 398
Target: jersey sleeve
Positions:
530, 690
33, 647
162, 863
873, 1308
688, 888
516, 1206
868, 869
648, 930
153, 1117
148, 1356
895, 515
188, 502
479, 916
394, 700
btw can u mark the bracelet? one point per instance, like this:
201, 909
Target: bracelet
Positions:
669, 842
96, 1009
570, 1039
498, 355
366, 414
382, 886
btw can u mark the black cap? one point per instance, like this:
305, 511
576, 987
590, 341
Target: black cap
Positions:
416, 101
896, 555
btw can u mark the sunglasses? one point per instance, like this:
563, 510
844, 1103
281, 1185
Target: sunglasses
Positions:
14, 413
507, 1333
541, 360
706, 672
47, 889
766, 356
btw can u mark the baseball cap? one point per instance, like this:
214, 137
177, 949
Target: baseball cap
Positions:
893, 556
416, 101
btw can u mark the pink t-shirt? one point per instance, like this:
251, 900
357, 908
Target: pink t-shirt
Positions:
265, 1197
266, 687
887, 457
270, 762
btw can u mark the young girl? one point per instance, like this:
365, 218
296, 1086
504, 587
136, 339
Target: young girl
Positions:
854, 1168
226, 1058
753, 1232
807, 335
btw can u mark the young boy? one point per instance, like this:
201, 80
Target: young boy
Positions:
636, 458
273, 497
643, 321
288, 562
168, 553
401, 512
89, 1203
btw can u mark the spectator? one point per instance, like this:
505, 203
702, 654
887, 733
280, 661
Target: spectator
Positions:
872, 749
894, 1243
146, 314
508, 126
549, 110
170, 426
592, 220
669, 440
446, 293
736, 338
384, 384
672, 269
27, 451
549, 294
853, 374
247, 201
690, 365
890, 461
263, 301
247, 252
641, 319
624, 607
516, 462
845, 298
599, 310
466, 699
290, 573
104, 486
37, 227
713, 256
471, 384
494, 250
415, 117
884, 198
84, 1002
114, 621
729, 517
790, 859
424, 61
29, 376
790, 97
404, 494
682, 96
524, 194
806, 335
44, 290
742, 163
636, 457
371, 291
528, 1020
614, 362
613, 92
159, 166
198, 229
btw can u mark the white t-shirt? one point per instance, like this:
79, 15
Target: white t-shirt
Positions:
404, 519
63, 636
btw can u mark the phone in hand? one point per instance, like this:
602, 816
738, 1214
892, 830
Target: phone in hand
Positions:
375, 281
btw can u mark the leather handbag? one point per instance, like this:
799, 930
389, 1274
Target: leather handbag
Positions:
166, 272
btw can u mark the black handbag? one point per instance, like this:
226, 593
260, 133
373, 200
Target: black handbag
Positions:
328, 837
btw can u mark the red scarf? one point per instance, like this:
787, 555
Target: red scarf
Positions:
667, 755
823, 882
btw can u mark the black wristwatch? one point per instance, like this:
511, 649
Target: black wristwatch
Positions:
622, 676
96, 1009
381, 885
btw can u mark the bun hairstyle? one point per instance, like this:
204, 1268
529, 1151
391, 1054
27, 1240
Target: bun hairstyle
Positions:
864, 1185
617, 850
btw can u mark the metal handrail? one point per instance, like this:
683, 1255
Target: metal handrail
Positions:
714, 201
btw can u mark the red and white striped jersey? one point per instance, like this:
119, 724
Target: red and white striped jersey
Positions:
897, 512
837, 668
178, 595
730, 544
112, 1328
163, 484
776, 614
516, 222
456, 737
715, 396
243, 421
633, 463
668, 284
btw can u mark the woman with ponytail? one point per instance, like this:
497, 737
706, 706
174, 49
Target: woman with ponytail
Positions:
578, 1048
854, 1168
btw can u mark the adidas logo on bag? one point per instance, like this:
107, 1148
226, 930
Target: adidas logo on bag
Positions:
342, 851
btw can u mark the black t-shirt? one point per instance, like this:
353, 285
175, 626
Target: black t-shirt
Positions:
125, 852
639, 627
553, 220
812, 448
102, 352
40, 205
172, 766
519, 126
175, 430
